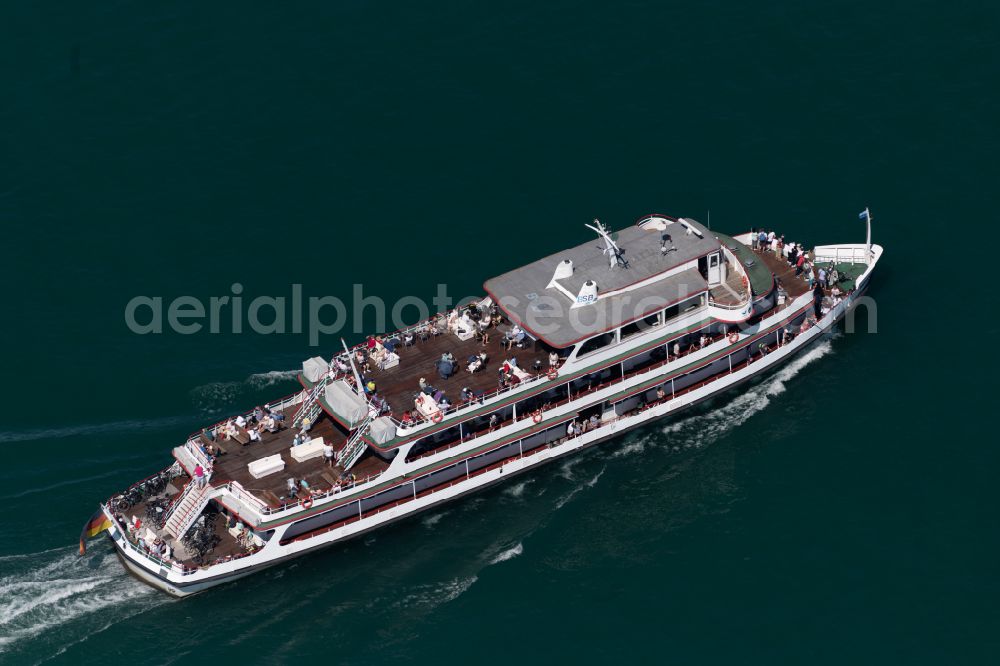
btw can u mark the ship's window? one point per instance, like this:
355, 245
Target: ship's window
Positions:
640, 325
595, 343
680, 308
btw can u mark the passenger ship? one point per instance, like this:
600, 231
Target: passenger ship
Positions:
580, 347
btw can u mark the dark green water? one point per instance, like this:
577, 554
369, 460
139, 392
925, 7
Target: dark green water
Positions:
842, 511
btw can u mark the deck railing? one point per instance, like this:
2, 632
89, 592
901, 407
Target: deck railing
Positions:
462, 405
847, 254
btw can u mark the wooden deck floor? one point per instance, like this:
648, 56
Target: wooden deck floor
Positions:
233, 465
795, 286
732, 292
399, 385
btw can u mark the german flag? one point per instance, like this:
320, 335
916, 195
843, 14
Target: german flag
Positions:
97, 524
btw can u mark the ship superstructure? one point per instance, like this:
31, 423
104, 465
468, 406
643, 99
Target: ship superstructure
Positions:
563, 353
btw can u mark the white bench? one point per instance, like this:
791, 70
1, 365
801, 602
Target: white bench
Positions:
311, 449
265, 466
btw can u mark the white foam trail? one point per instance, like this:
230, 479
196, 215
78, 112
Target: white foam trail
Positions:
431, 595
71, 482
91, 429
270, 378
434, 519
215, 396
517, 490
508, 554
62, 590
566, 469
26, 556
586, 484
698, 431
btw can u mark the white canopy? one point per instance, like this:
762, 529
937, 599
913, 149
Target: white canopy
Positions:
314, 368
382, 430
345, 403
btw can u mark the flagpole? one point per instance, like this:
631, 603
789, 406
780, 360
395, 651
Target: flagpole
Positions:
868, 237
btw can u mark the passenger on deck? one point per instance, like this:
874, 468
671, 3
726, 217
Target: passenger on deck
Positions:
445, 367
553, 360
292, 488
677, 349
660, 393
703, 341
494, 422
258, 413
475, 364
254, 433
818, 298
466, 394
269, 424
822, 278
241, 421
298, 439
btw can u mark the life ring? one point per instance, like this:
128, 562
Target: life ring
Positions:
734, 338
306, 502
552, 373
437, 416
536, 416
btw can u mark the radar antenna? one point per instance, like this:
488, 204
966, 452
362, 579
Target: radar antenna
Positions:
611, 248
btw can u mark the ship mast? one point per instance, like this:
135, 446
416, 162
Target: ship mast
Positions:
611, 248
357, 377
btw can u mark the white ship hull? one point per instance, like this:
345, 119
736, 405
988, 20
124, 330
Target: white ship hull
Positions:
179, 582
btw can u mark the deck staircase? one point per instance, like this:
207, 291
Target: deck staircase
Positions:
310, 407
186, 509
356, 445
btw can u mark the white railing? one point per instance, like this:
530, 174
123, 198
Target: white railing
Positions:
193, 447
847, 254
355, 445
127, 543
477, 402
309, 407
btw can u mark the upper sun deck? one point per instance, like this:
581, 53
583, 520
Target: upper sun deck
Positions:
584, 290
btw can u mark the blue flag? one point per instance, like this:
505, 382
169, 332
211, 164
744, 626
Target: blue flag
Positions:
863, 215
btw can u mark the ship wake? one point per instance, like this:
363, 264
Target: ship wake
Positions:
700, 430
216, 397
58, 590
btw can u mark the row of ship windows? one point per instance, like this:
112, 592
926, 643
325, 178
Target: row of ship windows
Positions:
558, 394
638, 326
534, 440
